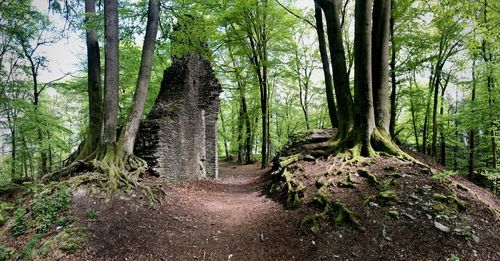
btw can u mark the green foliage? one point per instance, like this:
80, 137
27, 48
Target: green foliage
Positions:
48, 205
5, 252
90, 213
30, 246
19, 225
444, 174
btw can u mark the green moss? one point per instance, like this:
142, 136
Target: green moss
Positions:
388, 198
294, 189
284, 162
346, 182
447, 204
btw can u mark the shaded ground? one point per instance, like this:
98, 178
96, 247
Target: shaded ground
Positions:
224, 219
230, 219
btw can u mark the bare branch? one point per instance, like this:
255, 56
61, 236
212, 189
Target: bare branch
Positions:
299, 17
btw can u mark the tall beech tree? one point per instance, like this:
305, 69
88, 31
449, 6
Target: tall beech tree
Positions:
371, 104
113, 154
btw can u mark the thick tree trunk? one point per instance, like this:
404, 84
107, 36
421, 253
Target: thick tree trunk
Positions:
380, 55
93, 86
129, 131
111, 74
363, 75
330, 97
338, 60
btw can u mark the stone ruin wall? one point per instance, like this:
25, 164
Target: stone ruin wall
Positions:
178, 138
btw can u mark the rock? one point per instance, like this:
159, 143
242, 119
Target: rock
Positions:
462, 187
427, 187
393, 213
373, 204
475, 238
309, 158
408, 216
441, 227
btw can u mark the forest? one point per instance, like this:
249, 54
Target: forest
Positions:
396, 80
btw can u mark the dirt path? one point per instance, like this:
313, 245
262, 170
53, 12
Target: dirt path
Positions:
224, 219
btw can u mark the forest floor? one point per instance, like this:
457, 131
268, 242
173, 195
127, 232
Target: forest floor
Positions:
236, 217
232, 218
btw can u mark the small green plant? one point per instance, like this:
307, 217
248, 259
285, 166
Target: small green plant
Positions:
28, 248
385, 184
454, 257
5, 252
90, 213
444, 174
19, 226
46, 207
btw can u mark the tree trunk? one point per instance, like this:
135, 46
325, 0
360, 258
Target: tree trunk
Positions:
330, 97
414, 120
129, 131
111, 74
338, 60
442, 151
471, 131
434, 114
363, 75
225, 140
380, 54
93, 86
392, 123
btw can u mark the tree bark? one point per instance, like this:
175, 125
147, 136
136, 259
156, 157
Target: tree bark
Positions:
330, 97
111, 74
442, 151
93, 86
472, 144
363, 75
129, 131
392, 123
338, 60
380, 55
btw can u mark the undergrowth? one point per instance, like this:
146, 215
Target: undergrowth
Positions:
41, 214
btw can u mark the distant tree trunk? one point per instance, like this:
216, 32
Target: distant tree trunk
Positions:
442, 151
248, 134
330, 97
93, 86
339, 68
413, 119
471, 131
392, 123
226, 150
129, 131
240, 134
434, 114
379, 66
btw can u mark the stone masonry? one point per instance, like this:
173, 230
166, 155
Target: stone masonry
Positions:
178, 139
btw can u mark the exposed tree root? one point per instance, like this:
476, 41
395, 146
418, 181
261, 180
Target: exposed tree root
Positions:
117, 172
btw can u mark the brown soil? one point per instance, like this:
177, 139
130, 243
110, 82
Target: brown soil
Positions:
231, 219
